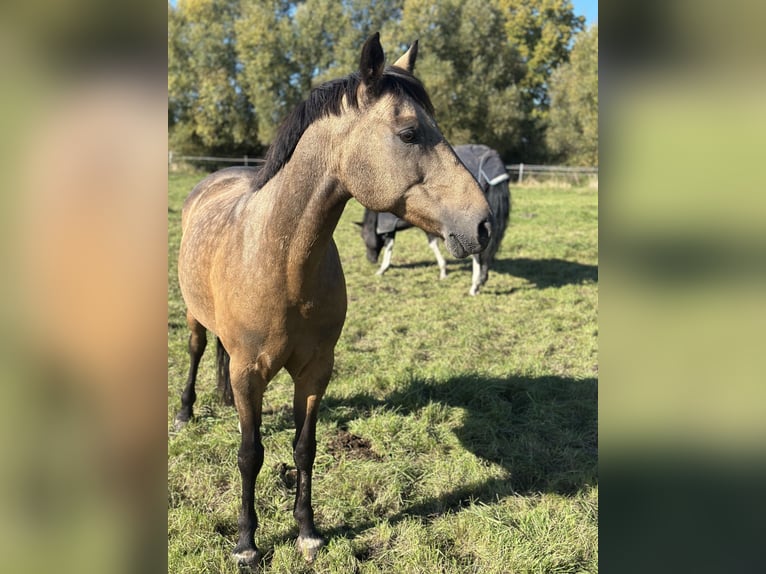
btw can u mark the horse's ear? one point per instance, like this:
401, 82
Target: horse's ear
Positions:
372, 62
407, 60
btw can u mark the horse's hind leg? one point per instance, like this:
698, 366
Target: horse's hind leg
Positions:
310, 385
197, 344
388, 248
224, 379
433, 243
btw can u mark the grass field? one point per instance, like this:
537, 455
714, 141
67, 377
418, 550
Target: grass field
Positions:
459, 434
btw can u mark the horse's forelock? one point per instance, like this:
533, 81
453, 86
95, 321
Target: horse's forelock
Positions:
402, 83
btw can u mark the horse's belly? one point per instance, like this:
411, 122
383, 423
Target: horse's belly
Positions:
195, 290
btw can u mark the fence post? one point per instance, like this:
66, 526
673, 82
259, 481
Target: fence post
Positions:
245, 159
170, 158
521, 172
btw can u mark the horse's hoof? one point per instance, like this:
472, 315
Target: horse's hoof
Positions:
309, 546
248, 560
180, 422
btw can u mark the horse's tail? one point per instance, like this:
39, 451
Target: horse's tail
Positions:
224, 378
499, 199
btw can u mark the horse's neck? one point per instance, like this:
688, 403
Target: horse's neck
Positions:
305, 204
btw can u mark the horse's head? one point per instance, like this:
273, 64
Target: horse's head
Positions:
395, 158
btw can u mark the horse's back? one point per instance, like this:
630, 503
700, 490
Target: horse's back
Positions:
220, 187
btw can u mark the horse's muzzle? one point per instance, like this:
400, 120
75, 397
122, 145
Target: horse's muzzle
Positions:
372, 255
461, 245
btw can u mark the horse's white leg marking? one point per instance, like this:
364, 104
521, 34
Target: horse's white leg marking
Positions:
309, 546
433, 243
388, 247
249, 558
476, 275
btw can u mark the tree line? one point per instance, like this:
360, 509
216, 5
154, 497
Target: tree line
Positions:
518, 75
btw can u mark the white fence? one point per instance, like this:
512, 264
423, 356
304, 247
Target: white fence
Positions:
243, 160
517, 171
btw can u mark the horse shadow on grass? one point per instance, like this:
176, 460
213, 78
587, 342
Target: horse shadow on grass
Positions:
545, 273
542, 431
542, 273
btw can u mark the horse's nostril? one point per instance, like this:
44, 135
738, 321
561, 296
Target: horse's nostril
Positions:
485, 232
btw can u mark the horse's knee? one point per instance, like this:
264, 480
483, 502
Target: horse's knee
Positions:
250, 457
304, 454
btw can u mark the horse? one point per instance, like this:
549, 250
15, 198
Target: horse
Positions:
378, 230
258, 266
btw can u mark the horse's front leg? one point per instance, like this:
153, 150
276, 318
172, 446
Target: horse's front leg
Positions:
248, 385
433, 243
475, 275
310, 385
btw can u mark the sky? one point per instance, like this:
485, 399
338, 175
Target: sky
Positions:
587, 8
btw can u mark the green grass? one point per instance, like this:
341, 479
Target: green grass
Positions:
458, 434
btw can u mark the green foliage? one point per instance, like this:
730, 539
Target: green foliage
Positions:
469, 68
573, 128
541, 32
237, 67
282, 46
206, 110
475, 416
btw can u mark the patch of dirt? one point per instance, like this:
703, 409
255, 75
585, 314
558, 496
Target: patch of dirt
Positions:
288, 475
352, 446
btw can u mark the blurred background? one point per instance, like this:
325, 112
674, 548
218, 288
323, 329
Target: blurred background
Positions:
683, 254
83, 241
86, 114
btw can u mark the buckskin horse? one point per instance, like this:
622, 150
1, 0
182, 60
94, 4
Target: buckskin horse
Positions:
258, 266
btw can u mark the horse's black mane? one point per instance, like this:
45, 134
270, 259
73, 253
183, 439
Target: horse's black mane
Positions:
326, 100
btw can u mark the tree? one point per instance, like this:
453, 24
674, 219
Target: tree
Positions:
286, 48
263, 49
207, 110
541, 31
487, 66
573, 123
237, 67
468, 67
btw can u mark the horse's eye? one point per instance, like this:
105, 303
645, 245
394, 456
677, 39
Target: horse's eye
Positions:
408, 136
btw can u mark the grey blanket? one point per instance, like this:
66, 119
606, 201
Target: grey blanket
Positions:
484, 163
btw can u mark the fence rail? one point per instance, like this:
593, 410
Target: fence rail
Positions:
244, 160
519, 170
522, 169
